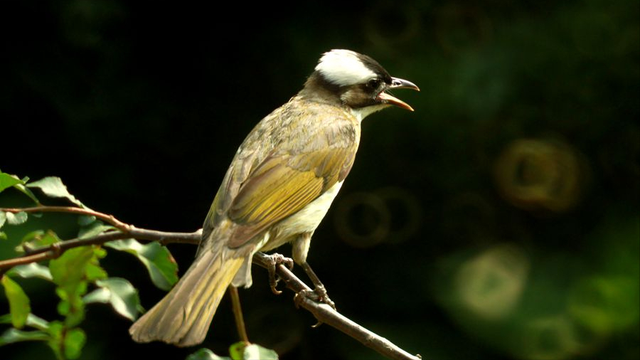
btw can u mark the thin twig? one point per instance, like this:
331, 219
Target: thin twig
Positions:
237, 314
55, 250
109, 219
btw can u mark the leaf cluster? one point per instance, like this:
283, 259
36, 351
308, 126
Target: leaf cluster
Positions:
77, 275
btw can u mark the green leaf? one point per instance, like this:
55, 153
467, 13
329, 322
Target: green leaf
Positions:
205, 354
33, 235
7, 181
14, 335
52, 186
16, 219
3, 218
37, 323
236, 350
23, 189
74, 341
162, 268
66, 343
41, 238
118, 292
56, 340
32, 321
70, 267
33, 270
93, 229
85, 220
18, 302
257, 352
38, 238
71, 272
242, 351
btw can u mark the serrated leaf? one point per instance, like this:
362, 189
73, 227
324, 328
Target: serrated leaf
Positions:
16, 219
7, 181
162, 268
52, 186
118, 292
14, 335
19, 307
33, 270
206, 354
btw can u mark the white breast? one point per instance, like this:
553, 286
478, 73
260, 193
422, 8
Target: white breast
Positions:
304, 221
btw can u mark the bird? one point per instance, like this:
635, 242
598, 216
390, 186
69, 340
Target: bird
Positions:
278, 188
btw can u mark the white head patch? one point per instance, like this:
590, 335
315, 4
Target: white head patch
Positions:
343, 68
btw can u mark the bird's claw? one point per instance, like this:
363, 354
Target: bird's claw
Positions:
275, 260
319, 294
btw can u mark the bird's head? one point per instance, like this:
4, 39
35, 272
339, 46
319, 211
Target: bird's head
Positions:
357, 81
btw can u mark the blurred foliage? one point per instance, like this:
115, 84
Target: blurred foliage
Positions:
500, 220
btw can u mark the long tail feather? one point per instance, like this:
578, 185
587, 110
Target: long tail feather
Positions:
183, 316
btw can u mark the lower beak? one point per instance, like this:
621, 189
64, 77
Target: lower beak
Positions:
397, 83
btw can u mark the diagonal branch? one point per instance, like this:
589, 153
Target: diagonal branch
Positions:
327, 315
322, 312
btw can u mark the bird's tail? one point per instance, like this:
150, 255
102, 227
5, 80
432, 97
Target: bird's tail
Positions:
183, 316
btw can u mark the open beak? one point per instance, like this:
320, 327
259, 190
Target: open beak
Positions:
397, 84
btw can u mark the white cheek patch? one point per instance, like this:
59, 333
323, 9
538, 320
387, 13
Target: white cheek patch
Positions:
343, 68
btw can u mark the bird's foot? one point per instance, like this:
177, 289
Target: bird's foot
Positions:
275, 260
319, 294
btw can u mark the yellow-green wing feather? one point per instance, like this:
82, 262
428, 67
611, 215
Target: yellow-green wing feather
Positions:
281, 168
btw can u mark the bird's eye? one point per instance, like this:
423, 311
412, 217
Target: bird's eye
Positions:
373, 83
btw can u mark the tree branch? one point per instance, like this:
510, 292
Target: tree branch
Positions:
327, 315
322, 312
109, 219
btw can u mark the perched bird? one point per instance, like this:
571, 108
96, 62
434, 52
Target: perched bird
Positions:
277, 189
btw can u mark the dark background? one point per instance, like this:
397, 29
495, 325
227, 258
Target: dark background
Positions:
497, 221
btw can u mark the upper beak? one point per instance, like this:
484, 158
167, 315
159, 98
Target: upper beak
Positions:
397, 83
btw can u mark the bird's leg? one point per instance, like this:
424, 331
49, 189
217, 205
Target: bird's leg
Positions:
300, 251
275, 260
319, 293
